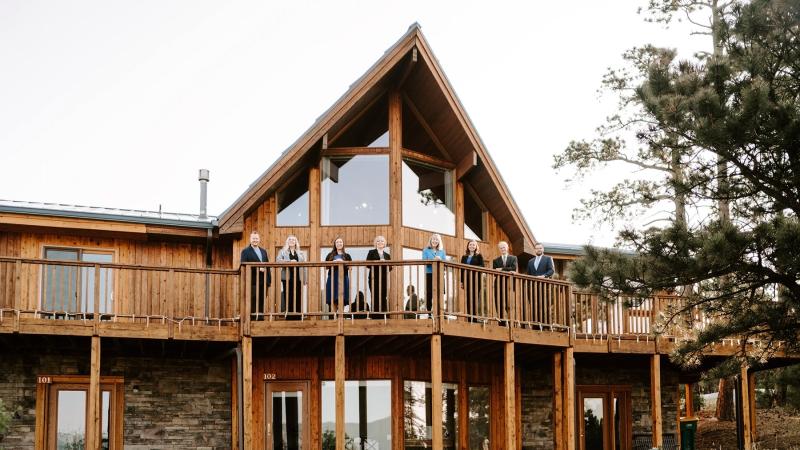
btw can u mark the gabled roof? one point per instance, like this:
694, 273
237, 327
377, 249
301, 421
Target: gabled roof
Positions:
429, 91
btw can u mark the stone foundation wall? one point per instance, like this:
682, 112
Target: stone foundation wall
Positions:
169, 403
537, 407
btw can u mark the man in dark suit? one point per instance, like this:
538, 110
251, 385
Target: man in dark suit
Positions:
502, 286
540, 265
260, 278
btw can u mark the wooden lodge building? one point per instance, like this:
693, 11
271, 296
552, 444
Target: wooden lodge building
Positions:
137, 330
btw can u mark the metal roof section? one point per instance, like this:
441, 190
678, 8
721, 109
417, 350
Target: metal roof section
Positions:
111, 214
577, 250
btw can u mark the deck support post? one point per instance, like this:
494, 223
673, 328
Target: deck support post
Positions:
247, 390
436, 391
395, 238
94, 400
747, 408
568, 377
751, 382
339, 369
655, 399
509, 395
558, 401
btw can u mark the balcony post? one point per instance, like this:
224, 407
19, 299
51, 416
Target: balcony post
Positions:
247, 390
339, 369
509, 395
396, 288
93, 426
558, 401
655, 399
436, 391
568, 376
747, 408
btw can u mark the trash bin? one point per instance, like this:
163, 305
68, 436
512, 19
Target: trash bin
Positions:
688, 432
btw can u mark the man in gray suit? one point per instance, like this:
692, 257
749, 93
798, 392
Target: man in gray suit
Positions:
540, 265
502, 285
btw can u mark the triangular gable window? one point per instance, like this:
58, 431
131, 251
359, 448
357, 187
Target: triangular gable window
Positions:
369, 128
416, 137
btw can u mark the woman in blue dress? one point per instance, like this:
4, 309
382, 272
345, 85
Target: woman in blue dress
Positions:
339, 255
434, 250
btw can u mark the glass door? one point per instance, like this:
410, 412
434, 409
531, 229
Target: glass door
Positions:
286, 408
604, 418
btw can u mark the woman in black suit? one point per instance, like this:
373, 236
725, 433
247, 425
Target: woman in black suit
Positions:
470, 279
378, 277
340, 255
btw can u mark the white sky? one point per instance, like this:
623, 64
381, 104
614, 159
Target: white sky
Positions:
118, 104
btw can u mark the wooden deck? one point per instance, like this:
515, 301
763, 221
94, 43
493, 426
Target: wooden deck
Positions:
43, 297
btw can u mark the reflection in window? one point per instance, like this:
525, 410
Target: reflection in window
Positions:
355, 190
71, 289
418, 419
71, 419
428, 198
479, 400
287, 420
593, 423
367, 414
473, 217
293, 202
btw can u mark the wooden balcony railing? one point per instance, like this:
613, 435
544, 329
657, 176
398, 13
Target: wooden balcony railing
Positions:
434, 291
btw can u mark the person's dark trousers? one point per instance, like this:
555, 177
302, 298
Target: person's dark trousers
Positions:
292, 299
380, 302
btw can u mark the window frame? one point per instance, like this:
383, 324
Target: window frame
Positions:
448, 170
47, 388
353, 152
80, 250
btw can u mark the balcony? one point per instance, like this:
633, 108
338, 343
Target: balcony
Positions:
302, 299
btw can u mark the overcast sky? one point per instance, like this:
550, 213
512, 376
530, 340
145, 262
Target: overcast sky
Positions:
119, 103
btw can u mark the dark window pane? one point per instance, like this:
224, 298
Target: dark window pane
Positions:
355, 190
417, 419
369, 130
428, 198
479, 400
473, 217
293, 202
60, 282
287, 421
593, 423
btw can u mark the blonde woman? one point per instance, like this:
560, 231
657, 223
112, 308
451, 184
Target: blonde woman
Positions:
378, 277
434, 250
292, 279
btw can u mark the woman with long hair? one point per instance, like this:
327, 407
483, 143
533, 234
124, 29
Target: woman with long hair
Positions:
292, 279
471, 280
378, 276
434, 251
338, 254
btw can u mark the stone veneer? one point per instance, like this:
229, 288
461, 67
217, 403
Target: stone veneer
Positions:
169, 403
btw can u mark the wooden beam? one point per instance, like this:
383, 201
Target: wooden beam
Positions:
424, 123
509, 397
339, 368
355, 118
93, 425
751, 382
655, 399
412, 60
397, 289
314, 300
689, 396
466, 164
427, 159
247, 389
558, 401
746, 408
568, 375
436, 392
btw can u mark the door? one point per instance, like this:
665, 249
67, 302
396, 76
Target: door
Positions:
286, 407
604, 418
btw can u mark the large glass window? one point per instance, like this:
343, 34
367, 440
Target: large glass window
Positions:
418, 418
479, 401
473, 217
355, 190
293, 202
428, 198
367, 414
71, 289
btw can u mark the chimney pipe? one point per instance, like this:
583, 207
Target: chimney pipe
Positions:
203, 177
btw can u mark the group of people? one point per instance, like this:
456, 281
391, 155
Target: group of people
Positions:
293, 279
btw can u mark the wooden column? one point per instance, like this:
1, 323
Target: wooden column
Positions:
655, 399
689, 395
314, 302
459, 204
568, 376
746, 408
93, 425
558, 401
247, 390
509, 395
751, 382
395, 239
339, 369
436, 391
